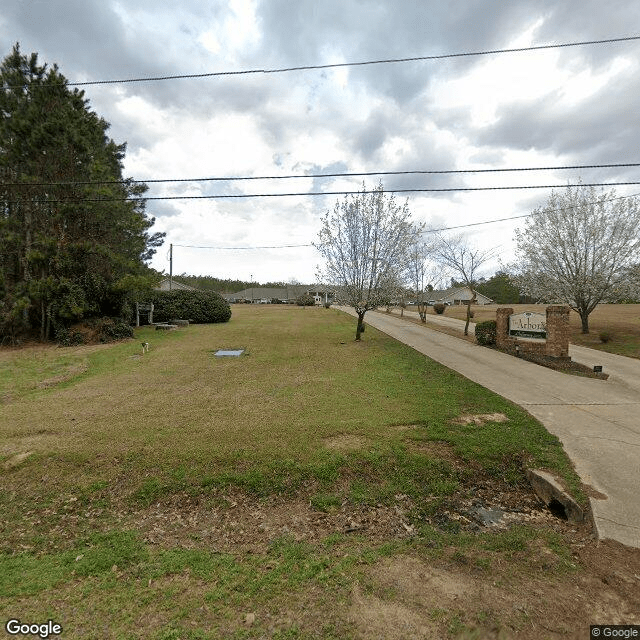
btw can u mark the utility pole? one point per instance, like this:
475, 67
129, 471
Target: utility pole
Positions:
170, 267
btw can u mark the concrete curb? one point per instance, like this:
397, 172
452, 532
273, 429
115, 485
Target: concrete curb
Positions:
550, 491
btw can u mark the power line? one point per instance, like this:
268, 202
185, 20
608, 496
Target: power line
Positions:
526, 215
347, 64
460, 226
327, 175
239, 196
281, 246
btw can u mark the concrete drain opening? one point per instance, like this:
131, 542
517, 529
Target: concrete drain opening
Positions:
228, 353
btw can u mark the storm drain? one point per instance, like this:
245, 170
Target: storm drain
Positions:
228, 353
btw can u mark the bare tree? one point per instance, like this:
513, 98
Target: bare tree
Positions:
578, 248
463, 261
422, 272
365, 244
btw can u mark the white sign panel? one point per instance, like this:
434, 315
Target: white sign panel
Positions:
528, 325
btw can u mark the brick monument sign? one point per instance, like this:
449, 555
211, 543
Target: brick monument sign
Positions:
535, 333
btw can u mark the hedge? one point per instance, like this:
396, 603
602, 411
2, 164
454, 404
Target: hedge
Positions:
196, 306
486, 332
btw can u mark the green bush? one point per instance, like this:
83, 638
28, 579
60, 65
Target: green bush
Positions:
439, 308
114, 329
305, 300
486, 332
199, 307
66, 337
605, 336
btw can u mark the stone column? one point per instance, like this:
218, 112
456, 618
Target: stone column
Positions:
502, 326
558, 331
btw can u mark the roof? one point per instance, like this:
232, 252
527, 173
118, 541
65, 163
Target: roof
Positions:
458, 293
271, 293
163, 285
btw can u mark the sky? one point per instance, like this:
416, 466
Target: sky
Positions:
546, 108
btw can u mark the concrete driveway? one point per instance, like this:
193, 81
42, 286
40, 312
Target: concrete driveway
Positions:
597, 421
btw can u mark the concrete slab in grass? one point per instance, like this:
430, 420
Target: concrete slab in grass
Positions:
228, 353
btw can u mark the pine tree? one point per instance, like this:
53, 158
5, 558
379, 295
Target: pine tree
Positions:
68, 241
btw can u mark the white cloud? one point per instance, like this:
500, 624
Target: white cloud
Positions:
522, 109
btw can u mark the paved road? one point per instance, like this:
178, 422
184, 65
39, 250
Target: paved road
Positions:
597, 421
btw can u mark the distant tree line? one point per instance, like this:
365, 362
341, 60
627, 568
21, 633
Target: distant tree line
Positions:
222, 285
74, 234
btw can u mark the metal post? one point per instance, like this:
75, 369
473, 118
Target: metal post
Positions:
170, 267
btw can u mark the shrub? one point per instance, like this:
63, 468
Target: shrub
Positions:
114, 329
305, 300
196, 306
486, 332
439, 308
93, 330
66, 337
605, 336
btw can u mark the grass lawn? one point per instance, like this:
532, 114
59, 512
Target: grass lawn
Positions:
179, 495
621, 323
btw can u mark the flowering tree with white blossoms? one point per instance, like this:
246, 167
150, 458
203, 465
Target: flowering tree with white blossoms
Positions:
365, 244
579, 249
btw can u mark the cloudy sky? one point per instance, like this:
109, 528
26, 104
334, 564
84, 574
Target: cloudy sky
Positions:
555, 107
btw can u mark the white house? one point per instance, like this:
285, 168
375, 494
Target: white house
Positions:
458, 296
287, 294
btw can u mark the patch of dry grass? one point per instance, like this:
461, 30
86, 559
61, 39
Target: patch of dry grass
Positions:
301, 380
178, 409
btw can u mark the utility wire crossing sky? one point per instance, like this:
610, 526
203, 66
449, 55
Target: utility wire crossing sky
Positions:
326, 95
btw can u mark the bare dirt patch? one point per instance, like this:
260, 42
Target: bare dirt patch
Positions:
481, 418
401, 428
437, 449
346, 442
449, 593
235, 522
41, 442
412, 597
71, 372
16, 460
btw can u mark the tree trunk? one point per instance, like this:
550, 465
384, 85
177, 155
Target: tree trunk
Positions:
360, 328
584, 317
47, 332
43, 321
466, 326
